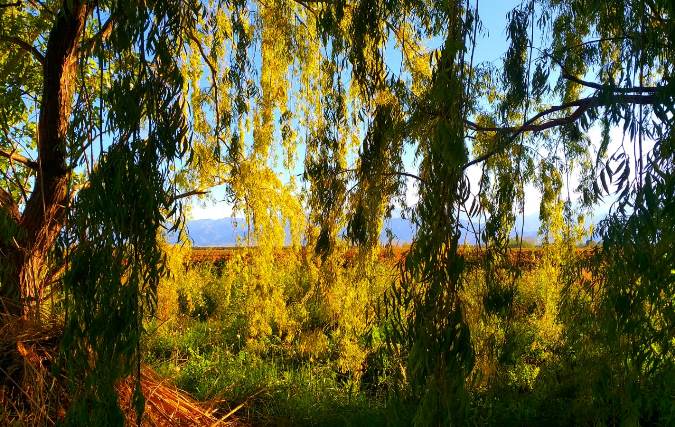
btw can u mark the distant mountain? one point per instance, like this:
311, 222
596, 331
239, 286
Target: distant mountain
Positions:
230, 231
404, 230
215, 232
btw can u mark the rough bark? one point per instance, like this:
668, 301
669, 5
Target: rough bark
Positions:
42, 219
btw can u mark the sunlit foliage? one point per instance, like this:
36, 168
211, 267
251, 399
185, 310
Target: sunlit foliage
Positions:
113, 113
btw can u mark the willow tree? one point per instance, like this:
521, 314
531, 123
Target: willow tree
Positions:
570, 66
114, 112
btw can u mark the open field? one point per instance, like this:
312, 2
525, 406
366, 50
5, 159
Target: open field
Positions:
269, 338
524, 257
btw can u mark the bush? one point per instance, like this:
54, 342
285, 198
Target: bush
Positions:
302, 342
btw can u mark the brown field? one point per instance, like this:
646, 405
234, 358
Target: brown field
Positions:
523, 257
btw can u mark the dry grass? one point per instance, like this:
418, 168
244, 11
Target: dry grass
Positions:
166, 405
31, 395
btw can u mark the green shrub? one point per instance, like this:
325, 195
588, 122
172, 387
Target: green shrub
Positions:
312, 351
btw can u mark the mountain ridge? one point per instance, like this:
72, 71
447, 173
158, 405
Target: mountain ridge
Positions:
231, 231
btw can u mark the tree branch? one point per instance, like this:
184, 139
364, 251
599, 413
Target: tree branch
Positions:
214, 77
101, 36
305, 4
565, 74
391, 173
198, 192
41, 5
44, 211
25, 46
189, 194
607, 88
16, 157
16, 3
531, 124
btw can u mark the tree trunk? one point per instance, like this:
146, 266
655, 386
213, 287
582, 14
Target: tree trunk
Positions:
22, 281
25, 255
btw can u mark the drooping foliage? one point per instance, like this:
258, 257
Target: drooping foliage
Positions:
114, 257
114, 112
440, 351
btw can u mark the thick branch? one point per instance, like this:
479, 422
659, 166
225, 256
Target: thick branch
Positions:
16, 157
531, 124
25, 46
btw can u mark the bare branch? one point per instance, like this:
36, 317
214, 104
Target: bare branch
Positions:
25, 46
16, 3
